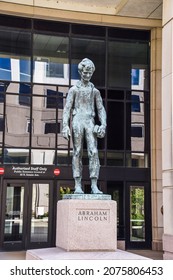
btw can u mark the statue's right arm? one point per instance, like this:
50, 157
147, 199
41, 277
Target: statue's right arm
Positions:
66, 114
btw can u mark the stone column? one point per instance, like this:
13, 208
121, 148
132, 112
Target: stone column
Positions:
167, 127
156, 136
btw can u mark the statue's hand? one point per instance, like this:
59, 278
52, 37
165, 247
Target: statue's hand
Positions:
66, 132
101, 131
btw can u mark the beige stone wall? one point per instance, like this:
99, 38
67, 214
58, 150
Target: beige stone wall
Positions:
167, 127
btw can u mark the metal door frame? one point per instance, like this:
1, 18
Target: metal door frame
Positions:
25, 243
13, 245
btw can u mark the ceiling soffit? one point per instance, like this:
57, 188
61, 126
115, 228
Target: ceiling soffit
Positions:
151, 9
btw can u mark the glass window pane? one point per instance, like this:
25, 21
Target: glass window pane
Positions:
115, 123
116, 94
48, 104
15, 49
17, 115
88, 30
2, 92
137, 214
139, 77
62, 157
61, 142
1, 125
0, 155
18, 156
51, 65
40, 212
94, 50
42, 156
52, 128
14, 21
115, 158
136, 159
51, 26
54, 99
5, 69
122, 56
25, 70
24, 94
14, 213
135, 126
44, 114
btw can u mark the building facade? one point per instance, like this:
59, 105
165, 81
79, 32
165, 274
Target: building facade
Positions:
40, 48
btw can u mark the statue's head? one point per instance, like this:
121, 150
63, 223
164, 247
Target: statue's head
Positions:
87, 65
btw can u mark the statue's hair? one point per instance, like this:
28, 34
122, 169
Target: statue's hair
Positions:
86, 63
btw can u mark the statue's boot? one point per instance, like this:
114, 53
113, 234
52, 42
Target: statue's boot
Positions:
78, 185
78, 189
95, 190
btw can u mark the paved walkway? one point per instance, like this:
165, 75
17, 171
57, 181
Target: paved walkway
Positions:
16, 255
154, 255
20, 255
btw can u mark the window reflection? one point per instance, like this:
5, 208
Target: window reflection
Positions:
42, 118
0, 155
137, 214
135, 122
137, 131
18, 156
115, 158
14, 213
139, 79
51, 59
93, 49
42, 156
25, 70
17, 115
115, 122
54, 99
5, 69
15, 63
48, 104
127, 82
137, 159
40, 213
2, 92
121, 59
24, 94
62, 157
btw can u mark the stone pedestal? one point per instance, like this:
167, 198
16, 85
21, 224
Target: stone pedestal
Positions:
86, 225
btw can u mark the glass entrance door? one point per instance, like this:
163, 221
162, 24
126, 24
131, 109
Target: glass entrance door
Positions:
14, 214
133, 213
116, 190
40, 215
138, 216
28, 212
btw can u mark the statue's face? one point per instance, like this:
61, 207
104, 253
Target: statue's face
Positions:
86, 74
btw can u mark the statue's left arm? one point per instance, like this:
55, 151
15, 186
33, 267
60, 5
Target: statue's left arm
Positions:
101, 114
